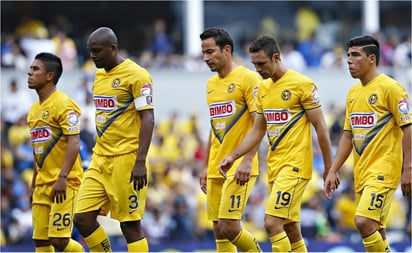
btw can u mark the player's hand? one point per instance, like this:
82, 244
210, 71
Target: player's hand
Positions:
332, 183
406, 185
59, 190
225, 165
243, 171
203, 180
139, 175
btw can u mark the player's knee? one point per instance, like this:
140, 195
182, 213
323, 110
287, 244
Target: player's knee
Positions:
365, 225
59, 243
229, 228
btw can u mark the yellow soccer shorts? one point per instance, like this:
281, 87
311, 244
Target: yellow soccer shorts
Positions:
374, 203
52, 219
285, 197
226, 199
106, 187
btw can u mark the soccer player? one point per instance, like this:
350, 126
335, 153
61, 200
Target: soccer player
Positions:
378, 130
55, 132
230, 97
287, 106
117, 177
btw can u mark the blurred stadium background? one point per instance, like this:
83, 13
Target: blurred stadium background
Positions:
163, 36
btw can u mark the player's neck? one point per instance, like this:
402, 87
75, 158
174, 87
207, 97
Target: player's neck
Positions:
227, 69
369, 77
45, 92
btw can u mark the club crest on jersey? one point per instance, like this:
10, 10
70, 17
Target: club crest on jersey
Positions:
40, 134
373, 99
315, 96
363, 120
231, 88
105, 103
222, 110
286, 95
73, 118
403, 106
116, 83
277, 116
45, 115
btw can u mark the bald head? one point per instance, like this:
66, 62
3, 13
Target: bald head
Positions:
103, 36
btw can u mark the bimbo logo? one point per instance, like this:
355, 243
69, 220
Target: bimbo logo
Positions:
277, 116
220, 110
363, 120
105, 103
40, 134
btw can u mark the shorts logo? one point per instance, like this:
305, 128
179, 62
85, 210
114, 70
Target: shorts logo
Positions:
286, 95
279, 207
105, 103
41, 134
222, 110
116, 83
132, 211
231, 210
277, 116
373, 99
403, 106
363, 120
60, 229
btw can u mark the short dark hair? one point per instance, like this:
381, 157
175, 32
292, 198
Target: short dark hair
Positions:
368, 43
52, 63
268, 44
220, 35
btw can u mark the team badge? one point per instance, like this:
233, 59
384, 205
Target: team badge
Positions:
286, 95
403, 106
373, 99
73, 118
116, 83
231, 88
45, 115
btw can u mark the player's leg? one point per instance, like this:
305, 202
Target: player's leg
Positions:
233, 203
294, 233
92, 200
41, 213
373, 206
214, 199
61, 224
129, 209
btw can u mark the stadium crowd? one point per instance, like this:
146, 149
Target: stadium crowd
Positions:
176, 207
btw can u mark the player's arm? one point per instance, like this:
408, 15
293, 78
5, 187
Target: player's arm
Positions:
315, 116
407, 162
203, 173
342, 153
139, 174
72, 150
251, 140
243, 171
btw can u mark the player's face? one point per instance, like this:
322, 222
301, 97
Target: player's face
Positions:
101, 54
264, 65
37, 75
213, 56
359, 63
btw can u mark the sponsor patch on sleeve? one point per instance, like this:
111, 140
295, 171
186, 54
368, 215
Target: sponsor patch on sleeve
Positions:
146, 96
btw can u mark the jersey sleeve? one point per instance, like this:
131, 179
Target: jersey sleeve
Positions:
70, 117
142, 90
399, 105
251, 84
310, 97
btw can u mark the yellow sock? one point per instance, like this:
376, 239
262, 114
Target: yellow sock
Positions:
138, 246
246, 242
98, 241
299, 246
49, 248
386, 244
73, 246
224, 245
280, 242
374, 243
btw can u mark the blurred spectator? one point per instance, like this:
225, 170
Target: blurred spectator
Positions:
311, 50
181, 221
402, 63
12, 55
291, 57
15, 104
387, 50
156, 225
18, 133
24, 156
334, 58
65, 48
